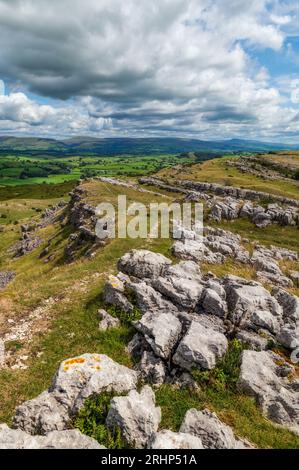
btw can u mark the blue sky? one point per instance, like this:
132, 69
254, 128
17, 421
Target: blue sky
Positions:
187, 68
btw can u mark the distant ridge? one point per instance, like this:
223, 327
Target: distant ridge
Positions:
133, 146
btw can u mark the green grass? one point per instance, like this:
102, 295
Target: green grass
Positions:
218, 392
20, 171
72, 326
217, 171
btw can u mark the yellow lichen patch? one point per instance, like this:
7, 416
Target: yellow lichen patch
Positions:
76, 360
96, 358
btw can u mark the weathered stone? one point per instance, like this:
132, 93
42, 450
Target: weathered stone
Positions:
181, 283
288, 336
265, 319
265, 376
114, 295
69, 439
148, 299
245, 297
289, 303
143, 264
166, 439
253, 340
75, 381
213, 433
161, 330
213, 303
5, 278
152, 369
136, 416
107, 321
201, 347
195, 250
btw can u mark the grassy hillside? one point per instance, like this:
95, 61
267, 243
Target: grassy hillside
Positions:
66, 298
219, 171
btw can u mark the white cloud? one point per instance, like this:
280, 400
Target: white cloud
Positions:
154, 67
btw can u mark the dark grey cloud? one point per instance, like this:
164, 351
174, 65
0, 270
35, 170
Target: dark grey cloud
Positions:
112, 66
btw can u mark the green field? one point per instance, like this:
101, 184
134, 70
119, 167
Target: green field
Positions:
20, 170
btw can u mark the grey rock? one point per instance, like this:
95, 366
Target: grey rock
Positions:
5, 278
114, 294
152, 369
76, 380
201, 347
196, 250
181, 283
245, 297
161, 330
143, 264
136, 416
265, 319
148, 299
69, 439
107, 321
288, 336
253, 340
289, 303
213, 303
166, 439
265, 376
261, 219
213, 433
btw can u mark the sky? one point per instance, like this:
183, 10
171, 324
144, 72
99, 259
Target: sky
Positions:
203, 69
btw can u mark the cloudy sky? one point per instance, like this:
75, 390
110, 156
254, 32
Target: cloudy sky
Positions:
186, 68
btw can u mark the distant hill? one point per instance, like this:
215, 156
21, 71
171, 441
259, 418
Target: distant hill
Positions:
120, 146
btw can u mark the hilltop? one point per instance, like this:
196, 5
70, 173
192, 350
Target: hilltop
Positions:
131, 146
69, 301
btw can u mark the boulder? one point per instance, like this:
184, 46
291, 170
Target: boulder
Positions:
253, 340
76, 380
148, 299
107, 321
213, 433
161, 330
69, 439
289, 303
245, 297
152, 369
267, 377
213, 303
136, 416
201, 347
181, 283
166, 439
143, 264
114, 294
196, 250
288, 336
265, 319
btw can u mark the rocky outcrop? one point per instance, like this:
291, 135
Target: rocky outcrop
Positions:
107, 321
222, 191
271, 381
5, 278
69, 439
174, 440
200, 347
143, 264
136, 416
76, 380
210, 430
161, 330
